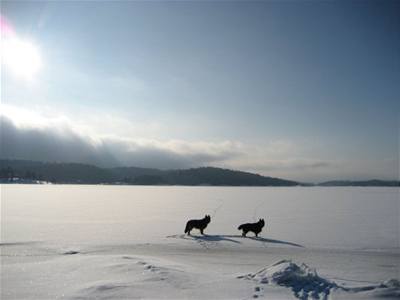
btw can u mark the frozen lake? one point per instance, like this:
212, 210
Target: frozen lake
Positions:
127, 242
351, 217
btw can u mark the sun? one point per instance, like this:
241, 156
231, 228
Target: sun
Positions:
21, 57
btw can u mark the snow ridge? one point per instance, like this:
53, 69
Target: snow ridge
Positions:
306, 284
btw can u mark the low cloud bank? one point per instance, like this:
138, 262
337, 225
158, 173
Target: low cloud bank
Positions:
62, 143
59, 139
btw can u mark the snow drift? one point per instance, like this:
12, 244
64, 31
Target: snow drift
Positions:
305, 282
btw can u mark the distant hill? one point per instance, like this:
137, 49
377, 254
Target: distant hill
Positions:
88, 174
54, 172
219, 177
373, 182
76, 173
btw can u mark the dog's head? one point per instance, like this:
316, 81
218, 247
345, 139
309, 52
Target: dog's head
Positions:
262, 223
207, 218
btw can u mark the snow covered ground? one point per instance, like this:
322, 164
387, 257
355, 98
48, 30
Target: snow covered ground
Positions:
121, 242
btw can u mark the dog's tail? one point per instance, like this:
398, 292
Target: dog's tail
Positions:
187, 227
240, 227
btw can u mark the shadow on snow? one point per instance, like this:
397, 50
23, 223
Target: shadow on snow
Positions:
230, 238
208, 238
264, 240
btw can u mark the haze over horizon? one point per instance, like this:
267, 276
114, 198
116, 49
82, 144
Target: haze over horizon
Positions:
306, 91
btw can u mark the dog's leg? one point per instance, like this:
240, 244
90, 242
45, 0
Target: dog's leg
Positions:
244, 233
201, 231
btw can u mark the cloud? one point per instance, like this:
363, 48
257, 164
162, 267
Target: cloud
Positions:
58, 140
33, 136
48, 137
47, 143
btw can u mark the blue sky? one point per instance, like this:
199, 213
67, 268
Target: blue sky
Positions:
306, 90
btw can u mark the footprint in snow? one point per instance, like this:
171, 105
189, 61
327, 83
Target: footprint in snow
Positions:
258, 292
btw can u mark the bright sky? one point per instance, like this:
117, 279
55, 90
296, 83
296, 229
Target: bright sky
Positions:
304, 90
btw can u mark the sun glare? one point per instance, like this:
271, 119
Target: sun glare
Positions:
21, 57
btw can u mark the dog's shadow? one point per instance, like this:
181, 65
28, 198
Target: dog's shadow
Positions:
204, 238
230, 238
215, 238
264, 240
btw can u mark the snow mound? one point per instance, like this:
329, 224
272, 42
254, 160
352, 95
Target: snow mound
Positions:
302, 280
306, 284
